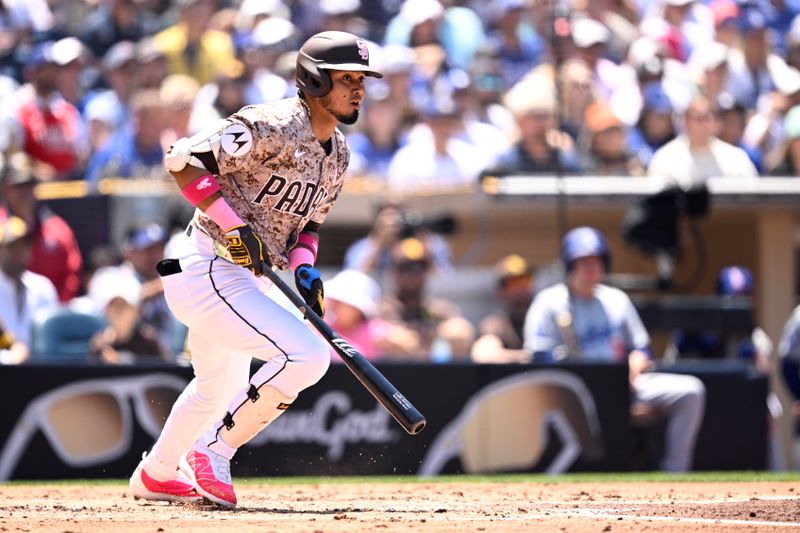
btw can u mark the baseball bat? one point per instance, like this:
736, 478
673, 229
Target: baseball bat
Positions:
376, 383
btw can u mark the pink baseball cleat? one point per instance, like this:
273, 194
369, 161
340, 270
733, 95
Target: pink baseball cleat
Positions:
211, 475
175, 490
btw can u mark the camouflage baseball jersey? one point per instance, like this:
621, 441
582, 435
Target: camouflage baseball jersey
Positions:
276, 175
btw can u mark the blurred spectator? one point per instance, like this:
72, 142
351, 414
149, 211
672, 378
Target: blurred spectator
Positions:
655, 127
55, 253
726, 21
351, 308
126, 339
22, 292
754, 67
793, 44
137, 153
45, 125
582, 319
143, 248
731, 120
177, 94
394, 222
542, 148
576, 93
786, 160
710, 68
434, 155
424, 22
501, 332
753, 347
22, 22
591, 39
113, 21
379, 137
427, 329
259, 53
108, 111
151, 64
606, 151
515, 42
73, 58
191, 47
682, 25
697, 154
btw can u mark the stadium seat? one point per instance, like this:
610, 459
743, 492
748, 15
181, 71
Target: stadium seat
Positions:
63, 335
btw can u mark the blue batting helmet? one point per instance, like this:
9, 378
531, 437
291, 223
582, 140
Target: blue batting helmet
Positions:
735, 281
584, 242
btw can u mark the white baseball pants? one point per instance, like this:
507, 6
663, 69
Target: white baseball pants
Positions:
230, 321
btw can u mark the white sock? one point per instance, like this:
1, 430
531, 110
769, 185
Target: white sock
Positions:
158, 470
213, 442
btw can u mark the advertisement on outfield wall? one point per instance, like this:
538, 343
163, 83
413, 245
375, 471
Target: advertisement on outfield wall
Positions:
95, 422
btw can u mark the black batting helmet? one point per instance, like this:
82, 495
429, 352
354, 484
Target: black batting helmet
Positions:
330, 50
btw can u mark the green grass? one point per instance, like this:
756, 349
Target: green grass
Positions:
623, 477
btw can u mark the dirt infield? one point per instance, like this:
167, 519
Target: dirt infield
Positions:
439, 506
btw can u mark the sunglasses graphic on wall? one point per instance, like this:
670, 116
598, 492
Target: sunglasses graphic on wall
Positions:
90, 422
504, 426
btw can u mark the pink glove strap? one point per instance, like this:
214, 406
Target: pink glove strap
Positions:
200, 189
304, 252
222, 214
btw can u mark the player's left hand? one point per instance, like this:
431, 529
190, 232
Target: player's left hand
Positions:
309, 285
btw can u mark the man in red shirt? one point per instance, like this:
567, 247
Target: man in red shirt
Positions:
48, 127
55, 253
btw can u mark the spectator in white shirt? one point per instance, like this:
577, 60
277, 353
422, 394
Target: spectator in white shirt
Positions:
22, 293
697, 154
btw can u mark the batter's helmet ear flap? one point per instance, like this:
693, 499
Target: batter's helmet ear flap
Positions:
584, 242
311, 79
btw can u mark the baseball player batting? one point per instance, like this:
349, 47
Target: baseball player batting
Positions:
262, 182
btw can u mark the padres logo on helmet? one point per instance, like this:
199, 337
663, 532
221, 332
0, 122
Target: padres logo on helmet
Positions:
330, 50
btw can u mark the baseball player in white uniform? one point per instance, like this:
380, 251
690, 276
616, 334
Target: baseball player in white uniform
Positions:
583, 319
262, 182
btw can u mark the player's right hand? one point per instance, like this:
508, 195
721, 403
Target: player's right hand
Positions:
245, 248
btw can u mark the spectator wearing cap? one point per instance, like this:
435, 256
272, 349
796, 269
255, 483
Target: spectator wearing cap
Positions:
259, 52
541, 148
732, 118
21, 23
141, 251
681, 25
45, 125
605, 149
419, 319
590, 39
754, 67
107, 111
135, 152
151, 64
55, 253
515, 42
22, 292
352, 305
113, 21
711, 70
435, 156
191, 46
726, 21
656, 126
501, 332
126, 339
697, 154
72, 56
